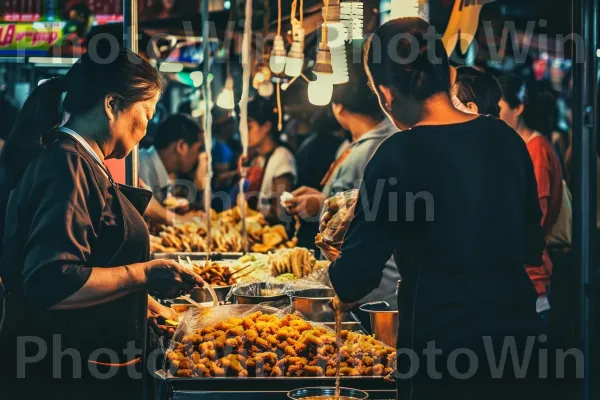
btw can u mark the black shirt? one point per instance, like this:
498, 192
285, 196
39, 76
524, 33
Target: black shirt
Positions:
458, 206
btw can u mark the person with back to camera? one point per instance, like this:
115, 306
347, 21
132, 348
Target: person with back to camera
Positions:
76, 249
356, 109
453, 197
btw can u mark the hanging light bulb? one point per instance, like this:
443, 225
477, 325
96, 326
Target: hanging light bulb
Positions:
404, 8
266, 89
277, 61
336, 38
320, 91
295, 58
351, 15
225, 99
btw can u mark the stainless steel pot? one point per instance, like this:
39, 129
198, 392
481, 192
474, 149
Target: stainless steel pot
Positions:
202, 295
314, 304
256, 293
384, 321
327, 392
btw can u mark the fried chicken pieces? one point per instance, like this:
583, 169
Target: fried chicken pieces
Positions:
262, 345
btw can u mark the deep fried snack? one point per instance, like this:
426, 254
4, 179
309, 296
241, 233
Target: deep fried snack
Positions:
273, 346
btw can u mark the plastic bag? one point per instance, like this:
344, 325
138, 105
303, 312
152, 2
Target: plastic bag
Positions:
266, 340
341, 205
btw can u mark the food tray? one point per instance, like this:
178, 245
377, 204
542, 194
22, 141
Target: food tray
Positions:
198, 256
263, 388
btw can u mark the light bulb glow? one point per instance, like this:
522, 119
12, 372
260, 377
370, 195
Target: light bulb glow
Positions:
351, 15
265, 89
225, 99
293, 66
277, 64
404, 8
197, 78
277, 61
171, 67
320, 91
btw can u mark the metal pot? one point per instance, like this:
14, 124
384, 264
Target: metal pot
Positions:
314, 304
384, 321
254, 293
202, 295
327, 392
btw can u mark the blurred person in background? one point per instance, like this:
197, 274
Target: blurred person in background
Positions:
176, 149
476, 92
356, 108
519, 112
273, 170
314, 156
223, 161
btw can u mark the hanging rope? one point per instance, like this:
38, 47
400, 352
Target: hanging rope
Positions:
324, 31
207, 127
246, 65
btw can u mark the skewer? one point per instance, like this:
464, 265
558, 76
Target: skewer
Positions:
242, 269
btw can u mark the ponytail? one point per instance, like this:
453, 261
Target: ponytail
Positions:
35, 128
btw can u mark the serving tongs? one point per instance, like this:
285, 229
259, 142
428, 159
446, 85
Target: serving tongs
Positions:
188, 264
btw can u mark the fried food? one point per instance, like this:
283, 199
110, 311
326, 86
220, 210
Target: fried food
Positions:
262, 345
226, 228
215, 274
294, 263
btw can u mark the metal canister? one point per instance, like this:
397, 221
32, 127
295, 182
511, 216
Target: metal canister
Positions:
384, 321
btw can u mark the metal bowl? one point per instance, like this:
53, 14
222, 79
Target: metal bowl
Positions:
253, 293
327, 392
384, 321
202, 295
314, 304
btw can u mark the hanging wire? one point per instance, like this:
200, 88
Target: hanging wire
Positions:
278, 17
324, 29
246, 66
207, 127
279, 110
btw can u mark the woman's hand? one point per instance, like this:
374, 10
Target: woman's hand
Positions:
167, 279
157, 315
344, 214
331, 252
307, 202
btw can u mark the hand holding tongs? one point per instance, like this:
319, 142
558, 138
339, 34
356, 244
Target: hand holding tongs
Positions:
189, 264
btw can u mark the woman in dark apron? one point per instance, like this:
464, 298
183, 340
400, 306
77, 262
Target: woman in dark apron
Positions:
76, 248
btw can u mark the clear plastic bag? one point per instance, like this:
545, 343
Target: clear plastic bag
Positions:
342, 204
266, 340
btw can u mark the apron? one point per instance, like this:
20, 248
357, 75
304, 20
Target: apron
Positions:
99, 335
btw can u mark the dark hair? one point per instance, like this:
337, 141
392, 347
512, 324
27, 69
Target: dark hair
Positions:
479, 87
263, 111
419, 75
540, 109
177, 127
514, 91
356, 96
86, 84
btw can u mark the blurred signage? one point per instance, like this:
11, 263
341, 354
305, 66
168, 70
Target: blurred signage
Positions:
34, 38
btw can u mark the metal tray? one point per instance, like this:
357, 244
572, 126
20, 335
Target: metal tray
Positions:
283, 384
198, 256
